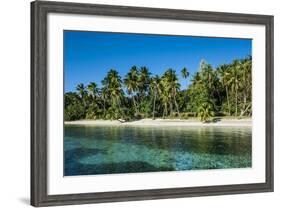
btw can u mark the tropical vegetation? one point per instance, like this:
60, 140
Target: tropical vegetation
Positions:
222, 91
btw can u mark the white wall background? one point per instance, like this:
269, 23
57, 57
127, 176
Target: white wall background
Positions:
15, 101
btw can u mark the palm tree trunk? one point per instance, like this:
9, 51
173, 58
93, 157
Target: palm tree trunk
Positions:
84, 103
176, 104
218, 93
245, 99
154, 105
236, 104
227, 101
245, 110
135, 105
171, 108
103, 106
165, 110
244, 105
119, 105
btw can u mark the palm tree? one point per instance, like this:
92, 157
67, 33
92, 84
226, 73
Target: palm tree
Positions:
112, 85
205, 111
224, 75
164, 98
82, 93
246, 84
233, 81
210, 82
155, 88
184, 73
207, 75
93, 107
131, 83
143, 80
104, 95
93, 89
171, 87
115, 87
81, 90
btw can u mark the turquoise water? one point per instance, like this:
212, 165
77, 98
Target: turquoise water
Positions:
111, 149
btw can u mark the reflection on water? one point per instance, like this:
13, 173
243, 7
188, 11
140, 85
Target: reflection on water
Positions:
111, 149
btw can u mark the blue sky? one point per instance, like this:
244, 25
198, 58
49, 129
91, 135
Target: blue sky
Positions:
89, 55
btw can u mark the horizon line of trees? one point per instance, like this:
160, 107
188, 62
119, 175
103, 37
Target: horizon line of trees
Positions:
222, 91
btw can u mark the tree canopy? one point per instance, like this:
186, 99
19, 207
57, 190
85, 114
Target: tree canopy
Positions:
222, 91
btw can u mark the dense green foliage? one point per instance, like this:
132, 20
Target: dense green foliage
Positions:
225, 90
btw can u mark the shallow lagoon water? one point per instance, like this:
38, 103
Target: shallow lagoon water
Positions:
90, 150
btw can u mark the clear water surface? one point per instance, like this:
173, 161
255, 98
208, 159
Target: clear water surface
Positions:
90, 150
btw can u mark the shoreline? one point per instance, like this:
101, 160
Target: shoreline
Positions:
245, 122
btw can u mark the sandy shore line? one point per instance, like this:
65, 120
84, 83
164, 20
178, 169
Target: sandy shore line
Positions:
164, 122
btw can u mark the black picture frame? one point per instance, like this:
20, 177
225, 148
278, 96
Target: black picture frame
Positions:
39, 12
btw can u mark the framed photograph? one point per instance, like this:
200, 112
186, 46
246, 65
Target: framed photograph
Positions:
131, 103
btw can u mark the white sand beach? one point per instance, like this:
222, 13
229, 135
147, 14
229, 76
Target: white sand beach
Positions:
165, 122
